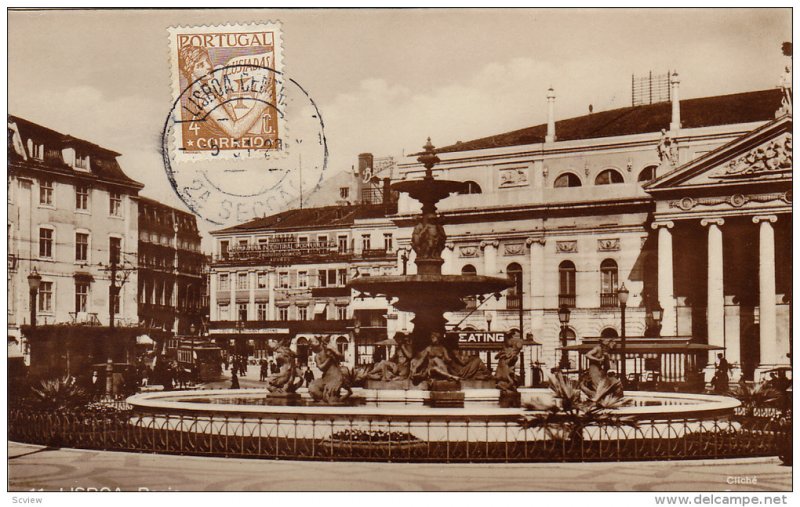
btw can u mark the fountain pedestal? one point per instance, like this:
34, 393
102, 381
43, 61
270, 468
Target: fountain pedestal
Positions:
429, 294
445, 394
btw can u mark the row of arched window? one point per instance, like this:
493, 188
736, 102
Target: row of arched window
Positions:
568, 179
605, 177
567, 283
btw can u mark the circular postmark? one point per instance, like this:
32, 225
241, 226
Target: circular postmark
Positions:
241, 142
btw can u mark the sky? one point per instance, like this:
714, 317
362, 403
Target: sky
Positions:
385, 80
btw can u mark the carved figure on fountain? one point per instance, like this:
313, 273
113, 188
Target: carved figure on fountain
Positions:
596, 380
397, 367
287, 379
327, 387
428, 238
469, 367
506, 360
433, 362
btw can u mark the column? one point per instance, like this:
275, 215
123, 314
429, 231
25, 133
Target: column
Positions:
400, 252
233, 313
251, 306
271, 289
447, 256
536, 288
715, 310
768, 336
212, 296
489, 257
666, 290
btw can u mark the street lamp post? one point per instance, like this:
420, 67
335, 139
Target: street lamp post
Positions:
489, 318
657, 313
563, 318
622, 294
356, 340
34, 281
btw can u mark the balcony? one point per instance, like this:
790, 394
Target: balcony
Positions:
609, 300
321, 292
376, 253
567, 300
513, 302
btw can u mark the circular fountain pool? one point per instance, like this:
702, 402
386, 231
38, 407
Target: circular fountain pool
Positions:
480, 404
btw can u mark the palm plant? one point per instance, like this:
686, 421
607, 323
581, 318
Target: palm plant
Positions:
571, 411
58, 394
755, 396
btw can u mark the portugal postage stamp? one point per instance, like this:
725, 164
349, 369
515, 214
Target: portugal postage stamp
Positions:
227, 90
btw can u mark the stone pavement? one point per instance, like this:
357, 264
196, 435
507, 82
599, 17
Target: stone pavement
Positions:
34, 468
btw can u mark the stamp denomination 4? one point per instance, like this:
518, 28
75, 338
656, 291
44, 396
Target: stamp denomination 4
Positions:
225, 79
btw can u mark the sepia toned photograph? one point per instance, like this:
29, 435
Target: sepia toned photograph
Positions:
412, 249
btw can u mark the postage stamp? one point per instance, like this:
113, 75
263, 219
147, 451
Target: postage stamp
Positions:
242, 139
225, 79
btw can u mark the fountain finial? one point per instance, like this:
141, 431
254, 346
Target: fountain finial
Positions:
428, 158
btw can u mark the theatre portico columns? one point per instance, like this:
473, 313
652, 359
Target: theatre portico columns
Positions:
723, 223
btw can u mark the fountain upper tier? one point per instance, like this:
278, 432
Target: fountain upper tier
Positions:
428, 294
444, 292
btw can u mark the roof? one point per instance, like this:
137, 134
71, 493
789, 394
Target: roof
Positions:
323, 217
160, 205
695, 113
103, 162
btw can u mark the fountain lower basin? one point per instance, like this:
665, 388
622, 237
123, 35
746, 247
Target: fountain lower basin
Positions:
480, 404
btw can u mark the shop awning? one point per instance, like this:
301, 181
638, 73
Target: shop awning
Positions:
319, 308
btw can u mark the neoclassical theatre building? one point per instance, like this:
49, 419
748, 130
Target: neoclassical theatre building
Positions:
685, 202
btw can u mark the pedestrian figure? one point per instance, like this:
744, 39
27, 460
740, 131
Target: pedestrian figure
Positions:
308, 376
234, 380
721, 381
264, 371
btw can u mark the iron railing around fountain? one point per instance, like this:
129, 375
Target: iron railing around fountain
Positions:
322, 437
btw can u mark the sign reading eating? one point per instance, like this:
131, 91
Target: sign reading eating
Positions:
478, 337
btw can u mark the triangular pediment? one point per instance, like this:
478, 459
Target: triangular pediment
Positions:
762, 155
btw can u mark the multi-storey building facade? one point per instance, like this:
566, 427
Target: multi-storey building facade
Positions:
285, 276
574, 209
72, 212
171, 282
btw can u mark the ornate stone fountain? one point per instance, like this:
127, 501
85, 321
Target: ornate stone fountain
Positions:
428, 294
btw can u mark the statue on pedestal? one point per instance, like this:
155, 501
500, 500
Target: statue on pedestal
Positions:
286, 380
506, 360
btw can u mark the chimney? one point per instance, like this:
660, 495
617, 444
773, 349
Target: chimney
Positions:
362, 176
551, 119
674, 82
364, 163
387, 193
